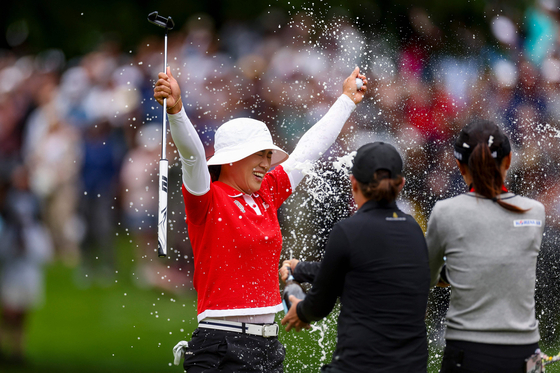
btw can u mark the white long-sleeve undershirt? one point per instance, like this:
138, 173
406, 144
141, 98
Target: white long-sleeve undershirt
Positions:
318, 139
315, 142
196, 176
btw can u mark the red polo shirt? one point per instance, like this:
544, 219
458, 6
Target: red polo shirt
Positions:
236, 242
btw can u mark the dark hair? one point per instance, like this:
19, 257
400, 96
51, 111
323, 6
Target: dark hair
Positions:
215, 171
381, 188
487, 176
482, 146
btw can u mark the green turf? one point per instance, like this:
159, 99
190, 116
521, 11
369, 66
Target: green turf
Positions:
125, 328
121, 328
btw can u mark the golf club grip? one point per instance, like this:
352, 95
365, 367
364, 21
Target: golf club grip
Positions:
162, 208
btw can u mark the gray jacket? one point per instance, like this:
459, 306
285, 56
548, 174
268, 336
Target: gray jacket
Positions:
491, 256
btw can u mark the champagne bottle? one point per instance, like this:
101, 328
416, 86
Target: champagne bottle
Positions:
292, 288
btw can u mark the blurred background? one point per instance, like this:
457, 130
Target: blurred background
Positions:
81, 286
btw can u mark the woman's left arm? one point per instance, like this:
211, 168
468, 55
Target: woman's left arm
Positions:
436, 250
317, 140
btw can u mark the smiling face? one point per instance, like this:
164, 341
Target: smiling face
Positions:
247, 174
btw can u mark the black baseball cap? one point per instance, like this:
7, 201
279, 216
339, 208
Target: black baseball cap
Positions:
376, 156
485, 132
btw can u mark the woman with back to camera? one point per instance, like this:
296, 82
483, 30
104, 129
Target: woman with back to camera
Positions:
376, 261
489, 240
231, 202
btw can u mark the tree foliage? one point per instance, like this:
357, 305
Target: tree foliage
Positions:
77, 27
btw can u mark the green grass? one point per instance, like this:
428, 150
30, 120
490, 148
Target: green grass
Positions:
121, 328
125, 328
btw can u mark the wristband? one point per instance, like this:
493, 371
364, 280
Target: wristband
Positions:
179, 100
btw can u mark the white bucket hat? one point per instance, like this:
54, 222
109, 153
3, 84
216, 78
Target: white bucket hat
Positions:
239, 138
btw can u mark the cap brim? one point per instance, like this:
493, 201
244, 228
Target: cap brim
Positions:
234, 155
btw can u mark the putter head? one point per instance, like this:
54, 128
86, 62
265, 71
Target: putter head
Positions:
166, 23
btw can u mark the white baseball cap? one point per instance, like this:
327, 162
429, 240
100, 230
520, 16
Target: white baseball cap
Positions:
239, 138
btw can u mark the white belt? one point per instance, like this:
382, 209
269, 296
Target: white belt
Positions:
263, 330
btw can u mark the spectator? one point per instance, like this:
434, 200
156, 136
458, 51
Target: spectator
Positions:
25, 248
99, 176
52, 156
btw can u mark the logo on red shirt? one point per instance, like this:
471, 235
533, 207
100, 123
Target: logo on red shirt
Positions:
238, 204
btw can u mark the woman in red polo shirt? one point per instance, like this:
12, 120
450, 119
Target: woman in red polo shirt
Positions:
231, 204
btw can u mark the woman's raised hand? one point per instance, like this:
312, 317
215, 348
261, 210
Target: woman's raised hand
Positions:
350, 89
168, 88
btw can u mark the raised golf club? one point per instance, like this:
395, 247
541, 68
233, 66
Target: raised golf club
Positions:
167, 24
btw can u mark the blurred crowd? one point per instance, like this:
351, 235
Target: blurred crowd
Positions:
80, 138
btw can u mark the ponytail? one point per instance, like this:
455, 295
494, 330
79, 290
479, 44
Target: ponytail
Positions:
487, 177
382, 188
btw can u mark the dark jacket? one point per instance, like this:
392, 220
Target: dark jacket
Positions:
306, 271
377, 263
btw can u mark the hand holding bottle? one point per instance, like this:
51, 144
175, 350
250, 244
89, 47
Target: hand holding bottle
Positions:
291, 320
292, 288
286, 266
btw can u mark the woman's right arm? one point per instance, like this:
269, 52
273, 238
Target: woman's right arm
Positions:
327, 285
306, 271
302, 271
196, 177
